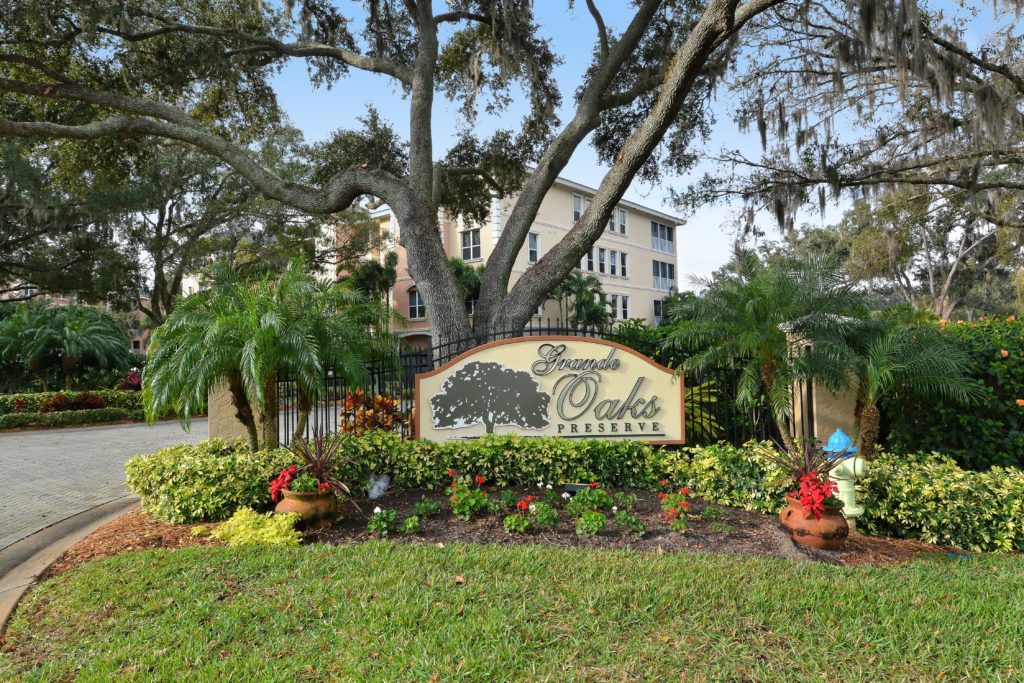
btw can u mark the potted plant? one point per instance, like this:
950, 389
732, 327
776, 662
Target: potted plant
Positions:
813, 515
311, 489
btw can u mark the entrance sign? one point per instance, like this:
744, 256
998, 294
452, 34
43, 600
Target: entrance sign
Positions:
574, 387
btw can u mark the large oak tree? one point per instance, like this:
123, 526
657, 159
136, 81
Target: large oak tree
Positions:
199, 73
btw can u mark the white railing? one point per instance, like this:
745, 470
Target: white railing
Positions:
664, 283
663, 245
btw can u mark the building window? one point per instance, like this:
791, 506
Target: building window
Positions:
533, 247
624, 315
590, 260
622, 265
471, 307
659, 312
417, 309
613, 263
577, 208
664, 275
601, 260
622, 221
613, 305
136, 345
611, 222
471, 245
663, 237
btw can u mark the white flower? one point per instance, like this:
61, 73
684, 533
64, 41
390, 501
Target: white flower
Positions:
540, 484
615, 508
533, 508
566, 495
549, 487
376, 511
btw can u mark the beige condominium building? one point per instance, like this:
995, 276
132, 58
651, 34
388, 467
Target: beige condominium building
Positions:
635, 258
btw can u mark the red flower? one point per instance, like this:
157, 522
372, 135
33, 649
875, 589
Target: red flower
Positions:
454, 498
292, 469
479, 480
523, 505
662, 496
324, 486
685, 491
686, 506
454, 484
664, 483
451, 473
529, 499
593, 484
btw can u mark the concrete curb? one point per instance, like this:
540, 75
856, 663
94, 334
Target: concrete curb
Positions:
22, 562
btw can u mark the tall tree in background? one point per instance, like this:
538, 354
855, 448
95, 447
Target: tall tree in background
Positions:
52, 240
199, 73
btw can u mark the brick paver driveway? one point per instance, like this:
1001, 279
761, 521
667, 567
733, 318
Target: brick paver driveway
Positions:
49, 475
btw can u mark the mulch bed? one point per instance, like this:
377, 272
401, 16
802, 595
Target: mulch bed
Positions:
134, 530
732, 531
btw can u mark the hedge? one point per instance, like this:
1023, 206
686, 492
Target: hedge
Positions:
209, 480
928, 496
977, 436
32, 402
921, 496
68, 418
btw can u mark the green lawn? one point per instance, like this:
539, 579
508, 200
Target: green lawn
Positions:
388, 611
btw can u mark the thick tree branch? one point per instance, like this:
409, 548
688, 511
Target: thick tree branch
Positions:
602, 31
259, 43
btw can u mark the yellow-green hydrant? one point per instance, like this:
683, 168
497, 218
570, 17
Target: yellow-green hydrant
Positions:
846, 473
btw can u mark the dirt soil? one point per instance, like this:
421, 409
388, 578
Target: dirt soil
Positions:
723, 530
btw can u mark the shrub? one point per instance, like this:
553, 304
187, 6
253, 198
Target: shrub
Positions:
928, 496
630, 522
33, 402
502, 459
207, 481
545, 516
977, 436
68, 418
410, 525
64, 402
466, 500
674, 507
383, 522
590, 523
737, 476
589, 500
248, 527
517, 523
426, 508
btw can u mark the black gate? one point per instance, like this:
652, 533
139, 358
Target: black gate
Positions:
385, 399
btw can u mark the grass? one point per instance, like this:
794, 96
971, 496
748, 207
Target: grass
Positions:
397, 612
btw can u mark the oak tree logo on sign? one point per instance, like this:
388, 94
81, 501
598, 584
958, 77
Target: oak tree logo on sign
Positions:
490, 393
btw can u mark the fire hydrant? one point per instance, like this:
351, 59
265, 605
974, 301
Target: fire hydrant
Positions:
846, 474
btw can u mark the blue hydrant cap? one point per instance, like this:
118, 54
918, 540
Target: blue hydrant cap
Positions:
840, 443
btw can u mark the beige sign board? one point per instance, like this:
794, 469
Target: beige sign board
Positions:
572, 387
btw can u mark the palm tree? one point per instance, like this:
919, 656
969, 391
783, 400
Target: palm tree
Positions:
581, 300
242, 332
17, 333
775, 324
71, 335
891, 359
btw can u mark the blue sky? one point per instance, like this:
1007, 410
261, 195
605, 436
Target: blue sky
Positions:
705, 240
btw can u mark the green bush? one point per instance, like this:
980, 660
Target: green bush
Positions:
501, 459
740, 477
931, 498
207, 481
68, 418
32, 402
977, 436
248, 527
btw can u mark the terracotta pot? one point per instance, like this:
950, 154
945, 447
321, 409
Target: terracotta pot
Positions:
317, 509
827, 533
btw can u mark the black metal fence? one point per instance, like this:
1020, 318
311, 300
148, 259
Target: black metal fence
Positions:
385, 399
